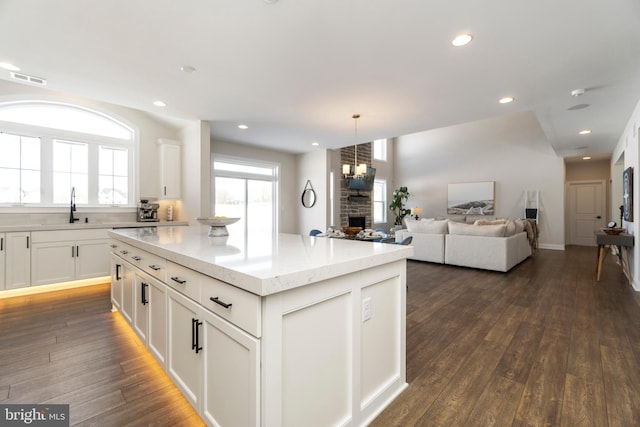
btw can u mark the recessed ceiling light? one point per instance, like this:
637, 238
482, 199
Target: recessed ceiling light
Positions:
586, 158
506, 100
9, 67
243, 127
159, 104
578, 92
315, 144
187, 69
462, 40
585, 132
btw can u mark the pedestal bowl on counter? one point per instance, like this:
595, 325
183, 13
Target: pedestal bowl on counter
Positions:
218, 225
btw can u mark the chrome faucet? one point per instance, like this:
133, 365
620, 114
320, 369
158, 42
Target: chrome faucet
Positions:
72, 219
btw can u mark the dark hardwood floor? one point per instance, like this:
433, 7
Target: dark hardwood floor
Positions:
544, 344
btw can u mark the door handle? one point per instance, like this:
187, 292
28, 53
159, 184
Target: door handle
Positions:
599, 217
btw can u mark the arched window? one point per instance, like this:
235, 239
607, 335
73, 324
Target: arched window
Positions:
52, 148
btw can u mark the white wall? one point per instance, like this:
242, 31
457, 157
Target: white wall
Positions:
289, 191
426, 162
196, 172
627, 148
313, 166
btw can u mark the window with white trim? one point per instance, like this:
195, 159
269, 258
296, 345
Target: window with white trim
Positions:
53, 147
246, 189
379, 201
380, 150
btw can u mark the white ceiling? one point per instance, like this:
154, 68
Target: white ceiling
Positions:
296, 70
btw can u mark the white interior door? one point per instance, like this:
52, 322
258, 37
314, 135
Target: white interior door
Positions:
587, 211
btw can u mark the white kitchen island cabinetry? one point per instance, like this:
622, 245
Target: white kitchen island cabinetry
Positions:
17, 259
289, 331
2, 259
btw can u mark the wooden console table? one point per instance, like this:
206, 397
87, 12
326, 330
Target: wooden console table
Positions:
621, 241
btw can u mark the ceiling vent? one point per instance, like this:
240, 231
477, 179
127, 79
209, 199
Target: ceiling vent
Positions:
29, 79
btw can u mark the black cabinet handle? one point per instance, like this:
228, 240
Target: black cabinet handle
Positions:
1, 243
77, 251
154, 267
143, 291
27, 242
73, 252
136, 258
118, 266
113, 246
124, 252
217, 301
179, 280
195, 339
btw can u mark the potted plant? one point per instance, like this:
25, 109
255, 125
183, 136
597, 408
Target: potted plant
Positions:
400, 195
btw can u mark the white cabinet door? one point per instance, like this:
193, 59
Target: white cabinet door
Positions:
18, 260
3, 251
116, 282
170, 169
92, 259
231, 392
128, 281
184, 358
52, 262
141, 303
157, 333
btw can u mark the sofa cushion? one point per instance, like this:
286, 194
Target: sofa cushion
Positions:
521, 225
495, 230
427, 225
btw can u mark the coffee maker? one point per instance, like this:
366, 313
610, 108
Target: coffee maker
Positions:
147, 212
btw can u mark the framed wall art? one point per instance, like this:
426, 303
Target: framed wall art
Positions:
471, 198
627, 194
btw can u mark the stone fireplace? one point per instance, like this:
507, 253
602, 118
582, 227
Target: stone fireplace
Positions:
354, 204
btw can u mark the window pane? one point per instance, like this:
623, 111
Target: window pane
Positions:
10, 146
9, 185
113, 176
120, 190
79, 158
61, 157
120, 162
30, 153
260, 207
30, 186
380, 149
239, 167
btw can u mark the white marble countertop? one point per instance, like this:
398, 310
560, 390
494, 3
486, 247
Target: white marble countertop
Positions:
85, 226
261, 264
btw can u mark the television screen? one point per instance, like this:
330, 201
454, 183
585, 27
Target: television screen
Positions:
365, 183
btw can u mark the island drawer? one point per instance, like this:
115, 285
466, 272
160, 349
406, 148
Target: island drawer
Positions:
153, 265
239, 307
184, 280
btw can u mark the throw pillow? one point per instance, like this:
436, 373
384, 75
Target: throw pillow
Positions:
490, 221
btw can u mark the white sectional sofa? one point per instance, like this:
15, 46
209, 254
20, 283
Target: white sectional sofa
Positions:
491, 245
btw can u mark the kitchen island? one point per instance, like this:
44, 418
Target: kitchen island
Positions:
284, 331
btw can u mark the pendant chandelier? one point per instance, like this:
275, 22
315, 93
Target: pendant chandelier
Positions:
356, 170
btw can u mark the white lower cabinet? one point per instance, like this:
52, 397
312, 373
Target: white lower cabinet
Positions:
231, 374
116, 282
2, 259
184, 358
128, 286
17, 259
67, 255
150, 314
215, 364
